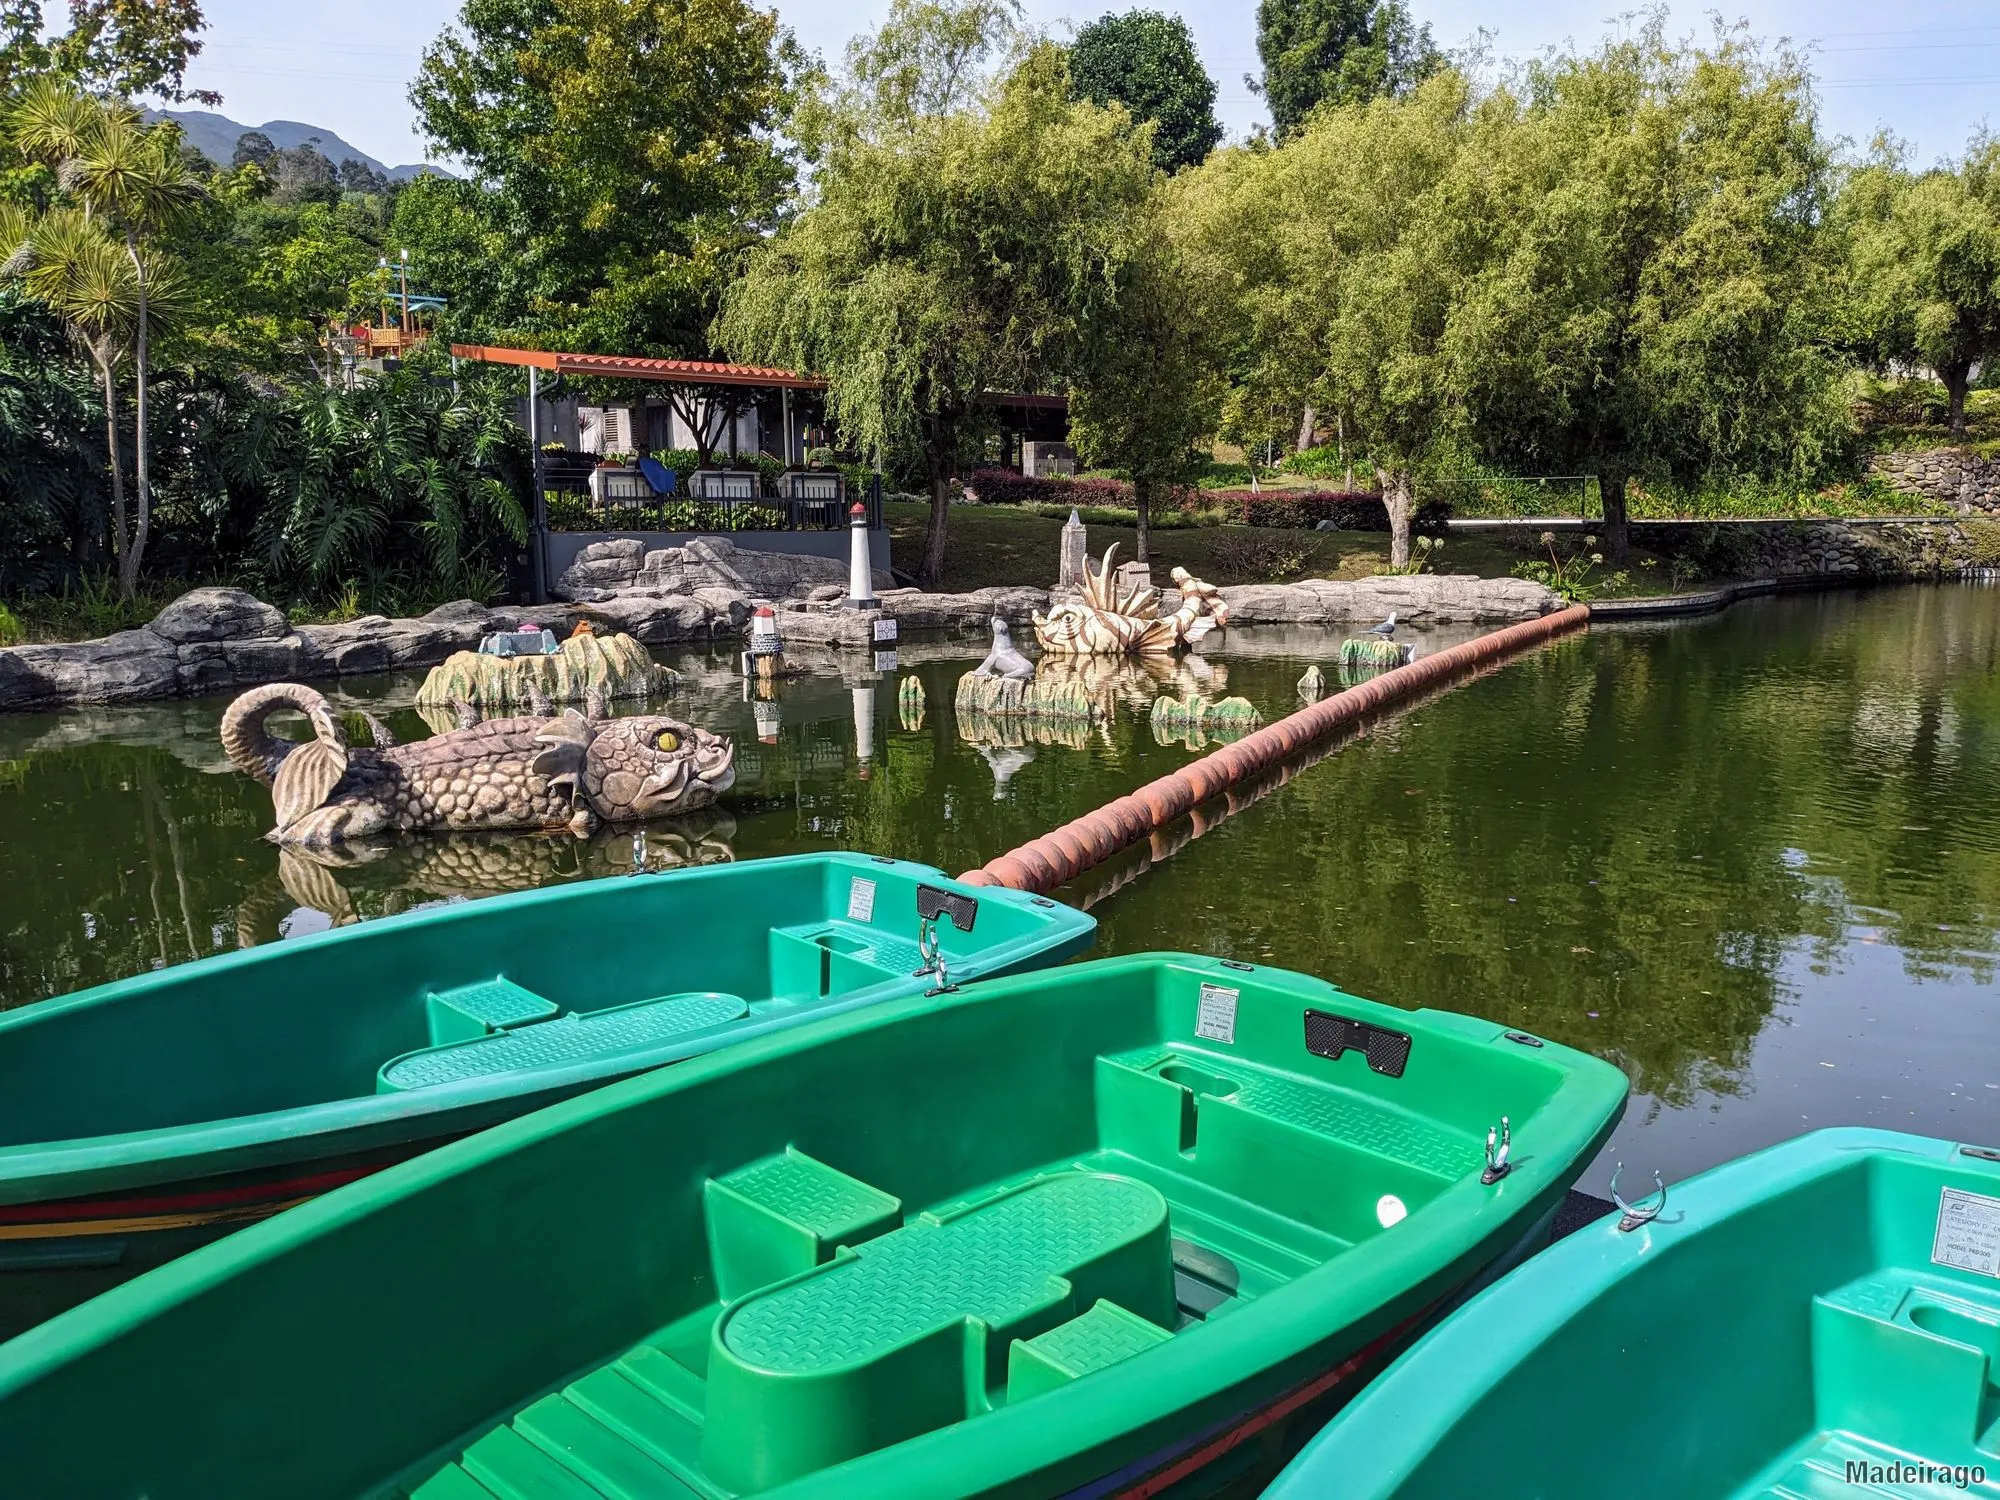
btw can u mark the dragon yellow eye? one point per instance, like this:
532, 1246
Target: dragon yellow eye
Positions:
668, 740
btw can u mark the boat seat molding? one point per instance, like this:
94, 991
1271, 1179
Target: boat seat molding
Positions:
569, 1038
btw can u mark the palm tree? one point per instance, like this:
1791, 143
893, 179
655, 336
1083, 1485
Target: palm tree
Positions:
66, 261
130, 179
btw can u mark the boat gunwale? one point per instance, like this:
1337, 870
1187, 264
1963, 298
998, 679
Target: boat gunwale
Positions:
1439, 1381
1363, 1293
37, 1171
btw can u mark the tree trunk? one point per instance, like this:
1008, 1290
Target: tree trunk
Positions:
931, 574
1397, 500
1340, 430
1617, 528
1142, 502
1307, 423
128, 565
1957, 377
118, 541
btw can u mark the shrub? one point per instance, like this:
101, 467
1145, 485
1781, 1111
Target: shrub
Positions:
1005, 487
1250, 558
1348, 510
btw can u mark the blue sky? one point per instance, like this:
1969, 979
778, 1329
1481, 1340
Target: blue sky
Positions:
1932, 76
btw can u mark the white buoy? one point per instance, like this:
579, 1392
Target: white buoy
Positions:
860, 567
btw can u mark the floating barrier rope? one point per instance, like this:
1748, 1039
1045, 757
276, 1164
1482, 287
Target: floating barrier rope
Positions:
1058, 857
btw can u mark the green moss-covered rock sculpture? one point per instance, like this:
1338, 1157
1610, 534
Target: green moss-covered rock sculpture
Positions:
1195, 720
1365, 655
583, 667
1012, 698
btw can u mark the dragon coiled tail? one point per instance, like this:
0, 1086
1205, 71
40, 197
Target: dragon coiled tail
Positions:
301, 775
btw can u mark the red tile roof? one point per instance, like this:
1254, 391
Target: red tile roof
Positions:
639, 367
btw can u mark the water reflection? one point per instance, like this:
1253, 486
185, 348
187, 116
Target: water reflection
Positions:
1754, 860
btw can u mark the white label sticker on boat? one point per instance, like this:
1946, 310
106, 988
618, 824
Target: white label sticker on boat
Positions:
1968, 1232
860, 900
1215, 1016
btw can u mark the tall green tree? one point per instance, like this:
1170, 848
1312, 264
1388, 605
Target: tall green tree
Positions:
1923, 264
119, 47
946, 256
1146, 61
1339, 52
1653, 299
1148, 389
628, 150
130, 181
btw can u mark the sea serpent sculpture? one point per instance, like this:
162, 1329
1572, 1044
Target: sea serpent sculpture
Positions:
1112, 618
568, 771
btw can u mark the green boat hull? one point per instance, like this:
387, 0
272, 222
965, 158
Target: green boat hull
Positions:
1055, 1233
1819, 1320
142, 1119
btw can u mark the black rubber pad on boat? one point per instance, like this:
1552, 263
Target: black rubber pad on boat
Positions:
933, 903
1329, 1035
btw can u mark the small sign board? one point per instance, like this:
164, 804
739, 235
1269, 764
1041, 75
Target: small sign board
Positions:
885, 628
1215, 1014
1968, 1232
885, 661
860, 900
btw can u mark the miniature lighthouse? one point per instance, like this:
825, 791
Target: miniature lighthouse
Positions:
860, 570
766, 657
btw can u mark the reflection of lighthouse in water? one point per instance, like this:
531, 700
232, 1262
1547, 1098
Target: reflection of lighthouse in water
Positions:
864, 729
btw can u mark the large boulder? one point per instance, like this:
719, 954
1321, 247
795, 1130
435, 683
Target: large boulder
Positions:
218, 615
602, 567
623, 565
121, 668
214, 666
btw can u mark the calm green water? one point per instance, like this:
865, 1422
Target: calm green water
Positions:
1754, 860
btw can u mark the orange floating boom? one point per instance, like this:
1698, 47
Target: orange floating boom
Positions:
1058, 857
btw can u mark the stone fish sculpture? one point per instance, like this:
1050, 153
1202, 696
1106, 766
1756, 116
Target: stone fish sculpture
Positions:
569, 771
1110, 619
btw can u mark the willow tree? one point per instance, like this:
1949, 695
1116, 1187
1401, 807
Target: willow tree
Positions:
1923, 265
946, 255
1653, 299
1148, 388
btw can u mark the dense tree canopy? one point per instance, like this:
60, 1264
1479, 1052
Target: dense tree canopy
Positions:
1146, 61
1318, 52
629, 150
1923, 265
952, 255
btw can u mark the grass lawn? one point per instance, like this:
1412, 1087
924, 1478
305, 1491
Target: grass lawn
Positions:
992, 545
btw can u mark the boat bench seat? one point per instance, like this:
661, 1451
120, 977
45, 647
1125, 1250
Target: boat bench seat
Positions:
785, 1214
814, 959
891, 1327
476, 1010
1932, 1337
568, 1038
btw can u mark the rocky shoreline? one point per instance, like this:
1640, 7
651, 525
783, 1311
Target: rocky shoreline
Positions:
215, 639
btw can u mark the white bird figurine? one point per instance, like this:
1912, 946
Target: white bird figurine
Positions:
1003, 660
1386, 629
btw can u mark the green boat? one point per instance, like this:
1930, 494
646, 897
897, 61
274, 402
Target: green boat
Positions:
1819, 1320
141, 1119
1085, 1231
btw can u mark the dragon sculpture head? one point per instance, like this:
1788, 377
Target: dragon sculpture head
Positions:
624, 770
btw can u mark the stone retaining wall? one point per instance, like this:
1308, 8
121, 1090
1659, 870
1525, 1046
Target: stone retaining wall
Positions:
1860, 551
1951, 476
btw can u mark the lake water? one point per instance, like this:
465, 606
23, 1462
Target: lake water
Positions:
1753, 859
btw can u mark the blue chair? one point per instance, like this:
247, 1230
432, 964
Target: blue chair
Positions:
659, 476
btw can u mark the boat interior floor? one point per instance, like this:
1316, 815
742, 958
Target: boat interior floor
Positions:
841, 1319
497, 1026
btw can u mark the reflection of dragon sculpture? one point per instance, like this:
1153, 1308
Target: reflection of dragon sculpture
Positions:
1111, 619
533, 772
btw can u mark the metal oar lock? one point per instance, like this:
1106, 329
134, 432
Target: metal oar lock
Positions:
1645, 1210
933, 903
1499, 1142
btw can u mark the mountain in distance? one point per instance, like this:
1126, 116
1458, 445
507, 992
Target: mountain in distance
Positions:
215, 137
